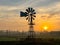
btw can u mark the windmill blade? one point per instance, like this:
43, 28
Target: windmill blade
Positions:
33, 18
27, 18
28, 10
31, 9
34, 15
26, 13
34, 12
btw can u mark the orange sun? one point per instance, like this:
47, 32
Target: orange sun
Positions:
45, 27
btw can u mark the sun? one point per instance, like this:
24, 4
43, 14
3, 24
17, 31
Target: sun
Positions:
45, 27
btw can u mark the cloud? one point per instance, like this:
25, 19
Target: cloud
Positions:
51, 10
35, 3
11, 2
10, 9
43, 3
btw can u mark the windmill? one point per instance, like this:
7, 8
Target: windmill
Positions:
30, 16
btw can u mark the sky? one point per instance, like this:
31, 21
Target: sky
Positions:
47, 15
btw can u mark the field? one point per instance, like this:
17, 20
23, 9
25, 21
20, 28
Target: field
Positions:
32, 41
39, 39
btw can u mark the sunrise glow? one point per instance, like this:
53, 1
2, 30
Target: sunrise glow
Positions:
45, 28
47, 15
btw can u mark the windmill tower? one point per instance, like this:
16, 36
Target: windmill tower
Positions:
30, 15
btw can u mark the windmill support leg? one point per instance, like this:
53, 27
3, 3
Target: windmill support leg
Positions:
31, 32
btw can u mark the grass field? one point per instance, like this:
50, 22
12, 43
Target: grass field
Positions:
11, 38
36, 41
18, 38
7, 39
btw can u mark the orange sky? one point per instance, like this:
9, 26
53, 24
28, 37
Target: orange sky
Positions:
20, 23
47, 14
51, 23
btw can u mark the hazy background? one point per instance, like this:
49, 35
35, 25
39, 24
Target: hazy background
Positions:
48, 14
